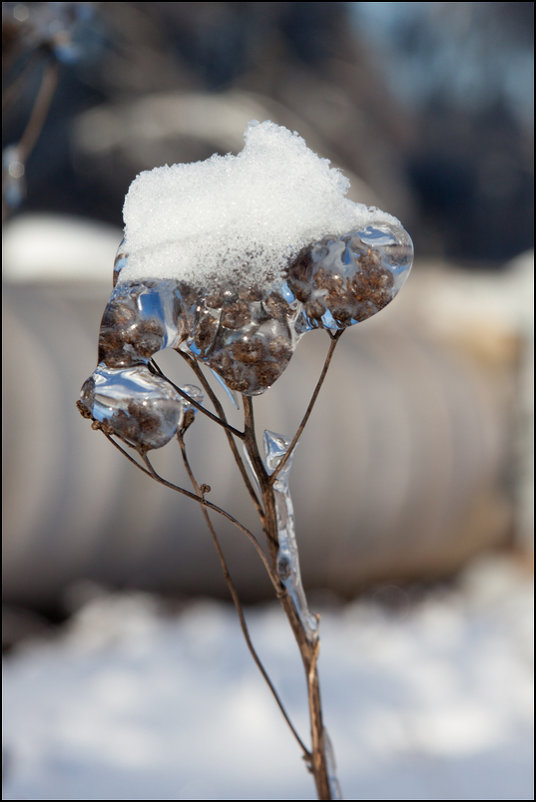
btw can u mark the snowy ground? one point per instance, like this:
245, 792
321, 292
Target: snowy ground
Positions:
431, 702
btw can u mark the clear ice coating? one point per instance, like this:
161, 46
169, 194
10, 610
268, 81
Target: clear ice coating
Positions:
288, 566
136, 405
333, 780
346, 279
241, 325
246, 335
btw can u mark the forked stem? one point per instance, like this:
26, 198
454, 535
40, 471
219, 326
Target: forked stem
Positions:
334, 340
232, 445
317, 757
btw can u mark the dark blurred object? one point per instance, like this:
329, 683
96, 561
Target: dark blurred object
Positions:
429, 103
36, 37
465, 69
29, 27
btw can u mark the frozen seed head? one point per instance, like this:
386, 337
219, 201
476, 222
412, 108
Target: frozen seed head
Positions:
137, 406
236, 221
232, 261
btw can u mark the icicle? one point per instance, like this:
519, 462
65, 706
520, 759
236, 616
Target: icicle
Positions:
288, 566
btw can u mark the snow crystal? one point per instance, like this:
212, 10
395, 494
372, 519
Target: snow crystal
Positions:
239, 219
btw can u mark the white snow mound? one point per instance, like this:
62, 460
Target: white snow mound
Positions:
236, 220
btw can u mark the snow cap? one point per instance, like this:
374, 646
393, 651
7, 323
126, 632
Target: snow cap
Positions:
236, 220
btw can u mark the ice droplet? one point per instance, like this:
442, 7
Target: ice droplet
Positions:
346, 279
137, 406
288, 566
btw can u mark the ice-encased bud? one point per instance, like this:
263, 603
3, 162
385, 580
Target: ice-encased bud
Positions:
247, 335
227, 262
137, 406
342, 280
254, 340
139, 320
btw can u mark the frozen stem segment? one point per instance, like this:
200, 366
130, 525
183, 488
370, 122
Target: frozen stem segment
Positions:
288, 565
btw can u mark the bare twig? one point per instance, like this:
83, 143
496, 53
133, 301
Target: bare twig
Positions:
238, 606
334, 340
196, 404
232, 445
33, 127
150, 471
251, 439
203, 501
16, 83
39, 111
308, 650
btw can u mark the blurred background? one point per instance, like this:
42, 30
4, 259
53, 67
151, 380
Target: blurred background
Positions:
418, 459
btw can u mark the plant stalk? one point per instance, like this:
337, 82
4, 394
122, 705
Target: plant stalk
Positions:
309, 655
308, 650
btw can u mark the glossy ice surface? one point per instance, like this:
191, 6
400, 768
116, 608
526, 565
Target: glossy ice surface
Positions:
242, 322
136, 405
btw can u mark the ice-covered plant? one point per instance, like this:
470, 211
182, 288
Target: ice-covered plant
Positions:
230, 262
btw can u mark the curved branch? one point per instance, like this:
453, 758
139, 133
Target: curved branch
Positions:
150, 471
334, 340
221, 412
204, 503
196, 404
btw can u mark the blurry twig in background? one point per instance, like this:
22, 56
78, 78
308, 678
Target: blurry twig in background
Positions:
33, 35
39, 111
15, 157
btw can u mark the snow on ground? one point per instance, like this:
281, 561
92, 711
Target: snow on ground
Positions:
433, 701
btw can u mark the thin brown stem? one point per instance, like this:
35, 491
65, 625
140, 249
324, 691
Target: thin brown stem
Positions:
334, 340
308, 649
204, 503
196, 404
150, 471
238, 606
251, 439
232, 445
317, 757
34, 125
125, 453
